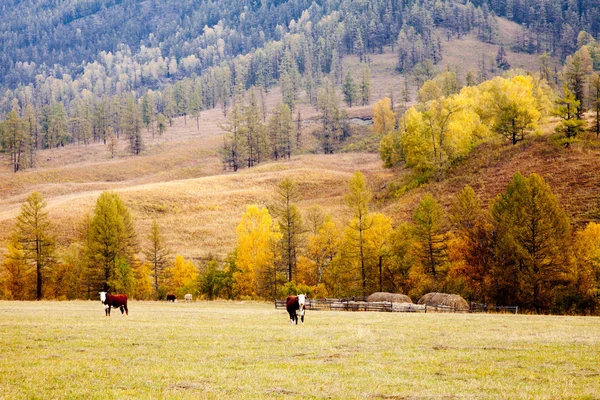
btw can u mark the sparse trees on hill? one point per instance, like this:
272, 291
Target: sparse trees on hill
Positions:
255, 132
148, 111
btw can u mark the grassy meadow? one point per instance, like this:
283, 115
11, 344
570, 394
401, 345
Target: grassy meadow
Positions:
248, 350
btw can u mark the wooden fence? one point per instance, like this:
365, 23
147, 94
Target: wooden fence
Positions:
480, 307
386, 306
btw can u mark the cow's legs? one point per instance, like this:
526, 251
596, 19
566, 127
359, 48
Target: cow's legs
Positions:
126, 310
107, 310
122, 310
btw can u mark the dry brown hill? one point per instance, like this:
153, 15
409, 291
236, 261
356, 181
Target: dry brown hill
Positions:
571, 173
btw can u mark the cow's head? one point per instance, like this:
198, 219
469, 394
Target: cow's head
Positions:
103, 297
301, 303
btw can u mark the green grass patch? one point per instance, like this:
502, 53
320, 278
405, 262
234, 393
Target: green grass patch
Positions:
249, 350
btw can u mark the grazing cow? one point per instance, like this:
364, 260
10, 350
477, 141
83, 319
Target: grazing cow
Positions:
188, 298
293, 304
172, 297
114, 301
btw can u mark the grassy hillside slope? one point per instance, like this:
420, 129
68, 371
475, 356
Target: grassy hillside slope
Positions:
180, 182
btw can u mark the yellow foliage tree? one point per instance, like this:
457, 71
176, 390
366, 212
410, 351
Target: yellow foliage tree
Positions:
143, 282
321, 250
376, 246
586, 270
19, 279
384, 119
183, 277
441, 130
257, 241
445, 130
515, 105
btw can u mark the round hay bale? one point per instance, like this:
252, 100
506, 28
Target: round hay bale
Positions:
444, 299
391, 297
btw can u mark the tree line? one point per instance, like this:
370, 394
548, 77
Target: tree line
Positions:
302, 55
297, 54
521, 250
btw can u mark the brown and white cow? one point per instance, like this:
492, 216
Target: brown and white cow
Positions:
114, 301
296, 305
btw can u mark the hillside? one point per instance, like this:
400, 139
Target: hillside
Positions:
179, 180
571, 173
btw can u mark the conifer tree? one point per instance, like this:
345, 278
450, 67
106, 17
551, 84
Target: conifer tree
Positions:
365, 86
533, 235
255, 131
566, 109
290, 222
35, 239
195, 102
32, 134
234, 148
112, 143
14, 139
350, 90
431, 236
358, 200
281, 132
131, 124
595, 96
156, 255
148, 111
112, 239
576, 71
332, 118
161, 122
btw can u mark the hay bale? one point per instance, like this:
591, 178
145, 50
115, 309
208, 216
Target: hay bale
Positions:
390, 297
444, 299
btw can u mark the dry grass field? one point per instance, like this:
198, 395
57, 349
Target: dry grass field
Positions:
233, 350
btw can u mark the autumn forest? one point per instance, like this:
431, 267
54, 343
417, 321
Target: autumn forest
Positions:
479, 122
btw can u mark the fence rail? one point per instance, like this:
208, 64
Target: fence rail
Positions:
481, 307
385, 306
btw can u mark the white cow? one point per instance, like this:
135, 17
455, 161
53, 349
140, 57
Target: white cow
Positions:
188, 298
